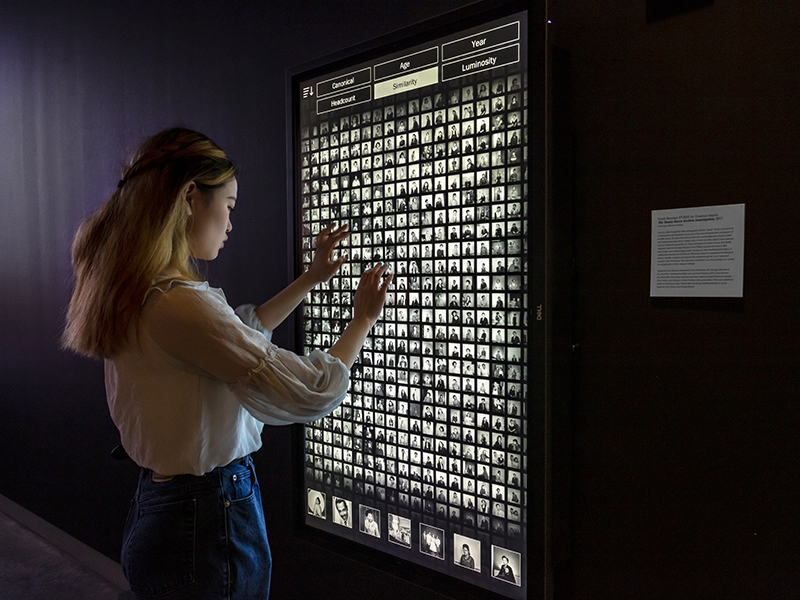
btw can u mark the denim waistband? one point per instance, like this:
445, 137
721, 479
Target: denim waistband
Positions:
182, 483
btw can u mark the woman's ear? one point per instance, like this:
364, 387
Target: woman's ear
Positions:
189, 194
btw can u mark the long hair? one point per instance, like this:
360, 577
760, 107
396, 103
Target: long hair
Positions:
138, 233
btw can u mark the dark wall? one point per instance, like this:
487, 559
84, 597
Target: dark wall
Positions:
685, 421
684, 415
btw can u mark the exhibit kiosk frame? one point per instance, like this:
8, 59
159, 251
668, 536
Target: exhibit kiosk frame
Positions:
432, 144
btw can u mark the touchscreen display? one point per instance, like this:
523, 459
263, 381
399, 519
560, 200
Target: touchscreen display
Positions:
423, 152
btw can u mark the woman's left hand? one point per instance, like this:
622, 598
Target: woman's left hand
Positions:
323, 267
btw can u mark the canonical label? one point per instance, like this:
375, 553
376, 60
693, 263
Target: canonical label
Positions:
698, 252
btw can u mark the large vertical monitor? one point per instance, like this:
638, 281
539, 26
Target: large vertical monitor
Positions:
430, 147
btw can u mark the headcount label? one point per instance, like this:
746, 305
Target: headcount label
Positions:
344, 100
481, 62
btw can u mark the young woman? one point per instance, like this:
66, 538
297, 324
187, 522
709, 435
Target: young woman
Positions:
190, 382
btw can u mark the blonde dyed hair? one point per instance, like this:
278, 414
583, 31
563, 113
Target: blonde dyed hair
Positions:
137, 234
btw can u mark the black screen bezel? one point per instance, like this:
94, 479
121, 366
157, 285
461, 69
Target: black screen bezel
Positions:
538, 531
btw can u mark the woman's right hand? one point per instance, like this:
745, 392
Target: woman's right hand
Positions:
370, 296
371, 293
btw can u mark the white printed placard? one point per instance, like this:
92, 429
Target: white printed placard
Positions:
698, 252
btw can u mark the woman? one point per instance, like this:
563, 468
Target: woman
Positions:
190, 382
505, 572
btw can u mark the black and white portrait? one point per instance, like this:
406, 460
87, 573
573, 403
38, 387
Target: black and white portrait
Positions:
316, 503
369, 521
432, 541
467, 552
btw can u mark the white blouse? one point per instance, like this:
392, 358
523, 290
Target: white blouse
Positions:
195, 391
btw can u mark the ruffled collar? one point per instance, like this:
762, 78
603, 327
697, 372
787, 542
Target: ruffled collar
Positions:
164, 283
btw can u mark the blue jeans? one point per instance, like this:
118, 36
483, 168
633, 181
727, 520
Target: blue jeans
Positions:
198, 538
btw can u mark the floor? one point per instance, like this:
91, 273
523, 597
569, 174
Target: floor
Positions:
40, 562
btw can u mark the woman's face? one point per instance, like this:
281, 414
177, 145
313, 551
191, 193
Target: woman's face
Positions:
209, 221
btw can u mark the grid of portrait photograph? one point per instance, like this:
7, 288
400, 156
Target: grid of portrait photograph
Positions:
427, 452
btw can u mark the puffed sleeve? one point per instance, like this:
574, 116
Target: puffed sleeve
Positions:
196, 327
247, 313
